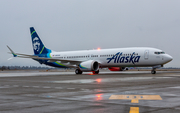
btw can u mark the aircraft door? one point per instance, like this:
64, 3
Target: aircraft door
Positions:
146, 54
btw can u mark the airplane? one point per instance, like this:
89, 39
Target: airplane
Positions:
117, 59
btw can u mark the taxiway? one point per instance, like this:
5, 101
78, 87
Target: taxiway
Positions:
108, 92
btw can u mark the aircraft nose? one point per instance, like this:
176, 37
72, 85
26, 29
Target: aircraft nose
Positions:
169, 58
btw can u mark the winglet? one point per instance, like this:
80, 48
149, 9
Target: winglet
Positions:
12, 51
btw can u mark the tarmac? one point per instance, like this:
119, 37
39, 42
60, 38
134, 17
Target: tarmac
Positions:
107, 92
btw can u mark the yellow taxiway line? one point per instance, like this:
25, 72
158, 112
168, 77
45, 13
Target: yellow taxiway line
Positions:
136, 98
134, 110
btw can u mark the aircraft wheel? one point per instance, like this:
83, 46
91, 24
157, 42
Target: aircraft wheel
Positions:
96, 72
153, 72
80, 72
77, 71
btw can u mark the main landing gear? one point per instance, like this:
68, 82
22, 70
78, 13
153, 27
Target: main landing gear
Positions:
78, 71
153, 71
96, 72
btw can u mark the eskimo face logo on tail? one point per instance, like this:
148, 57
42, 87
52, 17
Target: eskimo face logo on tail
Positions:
120, 58
36, 44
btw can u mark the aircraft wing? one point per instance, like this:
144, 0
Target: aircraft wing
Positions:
44, 58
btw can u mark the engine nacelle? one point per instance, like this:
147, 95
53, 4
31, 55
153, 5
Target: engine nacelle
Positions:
117, 68
89, 65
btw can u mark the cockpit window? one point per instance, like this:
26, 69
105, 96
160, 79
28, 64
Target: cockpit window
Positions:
159, 53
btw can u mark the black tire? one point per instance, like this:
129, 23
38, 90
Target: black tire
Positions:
96, 72
153, 72
80, 72
77, 71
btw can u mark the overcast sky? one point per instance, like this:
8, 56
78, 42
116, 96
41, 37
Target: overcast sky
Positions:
65, 25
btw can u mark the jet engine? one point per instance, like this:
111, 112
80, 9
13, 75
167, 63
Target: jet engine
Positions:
89, 65
117, 68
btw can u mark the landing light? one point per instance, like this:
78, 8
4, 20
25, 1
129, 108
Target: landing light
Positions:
98, 48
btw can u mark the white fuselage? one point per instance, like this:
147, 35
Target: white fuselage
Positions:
120, 57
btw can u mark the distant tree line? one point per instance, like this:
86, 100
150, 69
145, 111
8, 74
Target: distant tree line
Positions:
24, 68
47, 68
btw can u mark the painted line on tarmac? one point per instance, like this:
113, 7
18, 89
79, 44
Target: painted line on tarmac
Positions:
36, 86
26, 86
15, 85
71, 88
136, 98
58, 87
177, 87
46, 87
134, 101
134, 110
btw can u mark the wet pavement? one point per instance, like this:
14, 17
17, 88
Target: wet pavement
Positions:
108, 92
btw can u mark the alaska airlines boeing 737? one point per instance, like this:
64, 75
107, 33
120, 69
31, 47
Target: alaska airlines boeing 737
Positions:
91, 60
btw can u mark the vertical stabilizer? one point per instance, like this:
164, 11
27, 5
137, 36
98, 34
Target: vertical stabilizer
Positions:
37, 44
